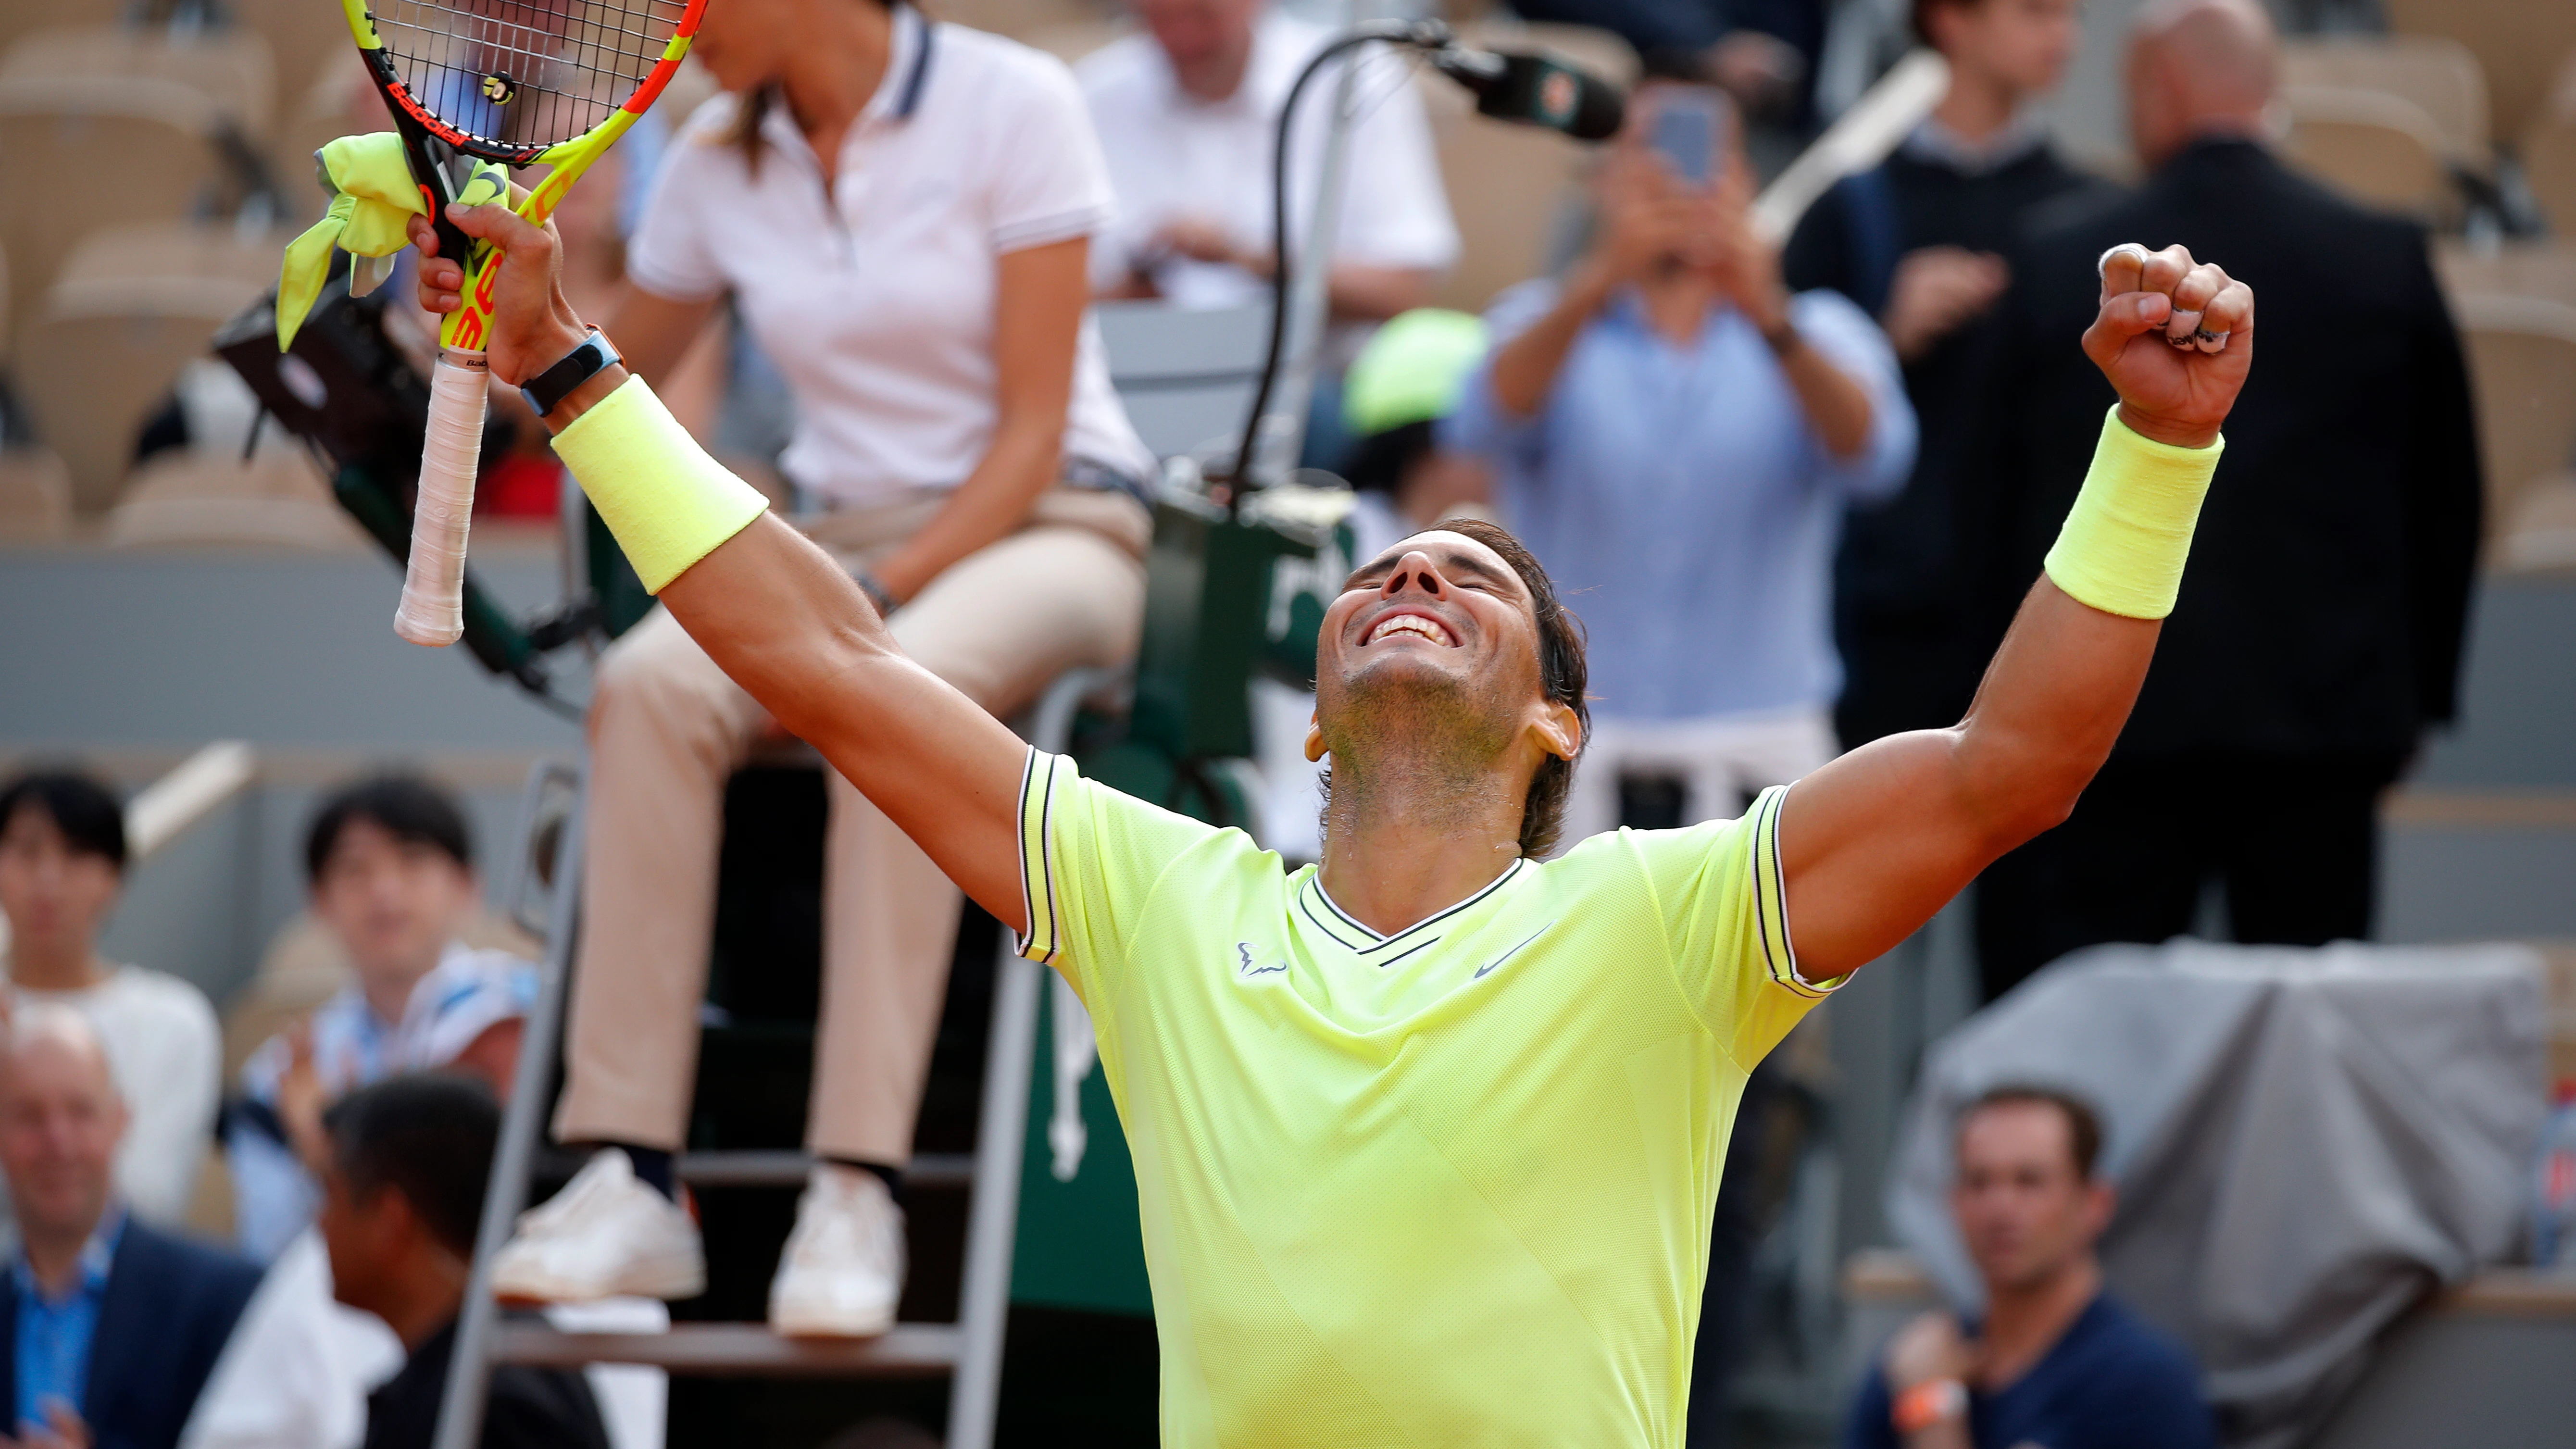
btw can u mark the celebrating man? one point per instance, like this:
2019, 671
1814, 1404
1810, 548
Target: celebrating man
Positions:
1427, 1138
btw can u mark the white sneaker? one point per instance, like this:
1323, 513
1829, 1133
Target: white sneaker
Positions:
608, 1234
842, 1272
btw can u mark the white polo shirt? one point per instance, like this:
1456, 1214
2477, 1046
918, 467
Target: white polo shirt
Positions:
1172, 155
876, 298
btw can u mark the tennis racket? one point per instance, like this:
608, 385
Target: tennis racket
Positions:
520, 83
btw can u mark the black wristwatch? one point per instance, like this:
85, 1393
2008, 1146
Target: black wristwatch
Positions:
546, 391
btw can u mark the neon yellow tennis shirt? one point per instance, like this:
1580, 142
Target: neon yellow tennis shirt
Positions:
1446, 1187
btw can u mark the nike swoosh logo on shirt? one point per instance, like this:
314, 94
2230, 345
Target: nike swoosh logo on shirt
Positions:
1507, 955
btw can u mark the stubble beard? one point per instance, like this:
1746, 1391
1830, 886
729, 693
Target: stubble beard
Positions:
1423, 749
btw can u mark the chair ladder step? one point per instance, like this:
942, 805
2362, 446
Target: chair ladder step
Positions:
781, 1168
750, 1350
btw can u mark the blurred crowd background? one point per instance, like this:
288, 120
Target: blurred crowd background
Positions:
2276, 1038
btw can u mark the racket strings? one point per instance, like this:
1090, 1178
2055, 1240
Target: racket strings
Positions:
517, 74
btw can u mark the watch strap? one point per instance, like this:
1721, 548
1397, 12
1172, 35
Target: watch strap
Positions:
546, 391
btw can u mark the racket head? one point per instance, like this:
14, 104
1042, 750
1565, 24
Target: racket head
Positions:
514, 80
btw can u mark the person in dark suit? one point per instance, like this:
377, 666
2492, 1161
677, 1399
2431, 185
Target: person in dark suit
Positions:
401, 1199
2320, 627
1919, 242
108, 1327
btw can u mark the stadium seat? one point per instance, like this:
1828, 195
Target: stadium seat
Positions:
2522, 365
231, 67
110, 348
2437, 74
213, 250
2543, 269
188, 497
29, 16
35, 495
2380, 149
303, 40
2549, 153
80, 154
2518, 43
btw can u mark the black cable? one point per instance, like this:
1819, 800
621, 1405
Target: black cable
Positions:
1426, 34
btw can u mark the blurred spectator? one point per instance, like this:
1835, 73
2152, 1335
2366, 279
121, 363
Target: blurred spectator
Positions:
1187, 113
409, 1159
1917, 242
1404, 381
1677, 436
391, 868
2054, 1359
112, 1325
62, 861
1763, 52
902, 211
2320, 627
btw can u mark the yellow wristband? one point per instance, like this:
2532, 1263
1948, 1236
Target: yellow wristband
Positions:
668, 503
2123, 545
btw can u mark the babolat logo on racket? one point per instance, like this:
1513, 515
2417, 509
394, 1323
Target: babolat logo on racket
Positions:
499, 89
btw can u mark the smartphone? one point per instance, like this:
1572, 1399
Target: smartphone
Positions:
1690, 133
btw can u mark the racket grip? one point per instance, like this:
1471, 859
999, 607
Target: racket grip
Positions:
432, 611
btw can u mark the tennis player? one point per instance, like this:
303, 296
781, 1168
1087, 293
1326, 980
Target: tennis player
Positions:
1427, 1138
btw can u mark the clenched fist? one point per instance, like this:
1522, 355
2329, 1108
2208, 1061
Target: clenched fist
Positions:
2175, 337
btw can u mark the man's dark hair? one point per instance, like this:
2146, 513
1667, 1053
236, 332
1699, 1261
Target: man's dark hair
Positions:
1561, 674
428, 1136
407, 807
85, 811
2083, 1124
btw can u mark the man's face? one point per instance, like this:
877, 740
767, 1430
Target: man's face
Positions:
1194, 32
1436, 632
2024, 44
60, 1122
2022, 1209
52, 893
393, 903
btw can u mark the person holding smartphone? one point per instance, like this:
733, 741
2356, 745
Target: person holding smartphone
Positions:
1677, 435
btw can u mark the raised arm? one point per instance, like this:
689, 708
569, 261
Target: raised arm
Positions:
766, 604
1876, 842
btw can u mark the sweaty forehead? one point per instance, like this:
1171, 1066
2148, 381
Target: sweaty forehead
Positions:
1451, 553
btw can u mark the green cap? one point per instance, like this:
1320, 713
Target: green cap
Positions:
1412, 369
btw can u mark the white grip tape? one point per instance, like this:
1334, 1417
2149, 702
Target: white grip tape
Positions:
433, 597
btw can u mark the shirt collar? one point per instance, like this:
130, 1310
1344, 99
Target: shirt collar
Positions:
97, 1257
1938, 144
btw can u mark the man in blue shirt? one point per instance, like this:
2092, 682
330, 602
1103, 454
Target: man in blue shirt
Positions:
110, 1326
1676, 436
2056, 1362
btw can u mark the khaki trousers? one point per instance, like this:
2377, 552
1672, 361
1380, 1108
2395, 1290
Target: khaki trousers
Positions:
667, 728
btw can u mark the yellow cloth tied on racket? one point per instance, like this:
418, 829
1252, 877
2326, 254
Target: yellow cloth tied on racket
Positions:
376, 201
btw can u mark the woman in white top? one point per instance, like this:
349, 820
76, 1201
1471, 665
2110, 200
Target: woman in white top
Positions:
62, 863
901, 211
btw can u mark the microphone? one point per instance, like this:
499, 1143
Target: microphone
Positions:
1535, 90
